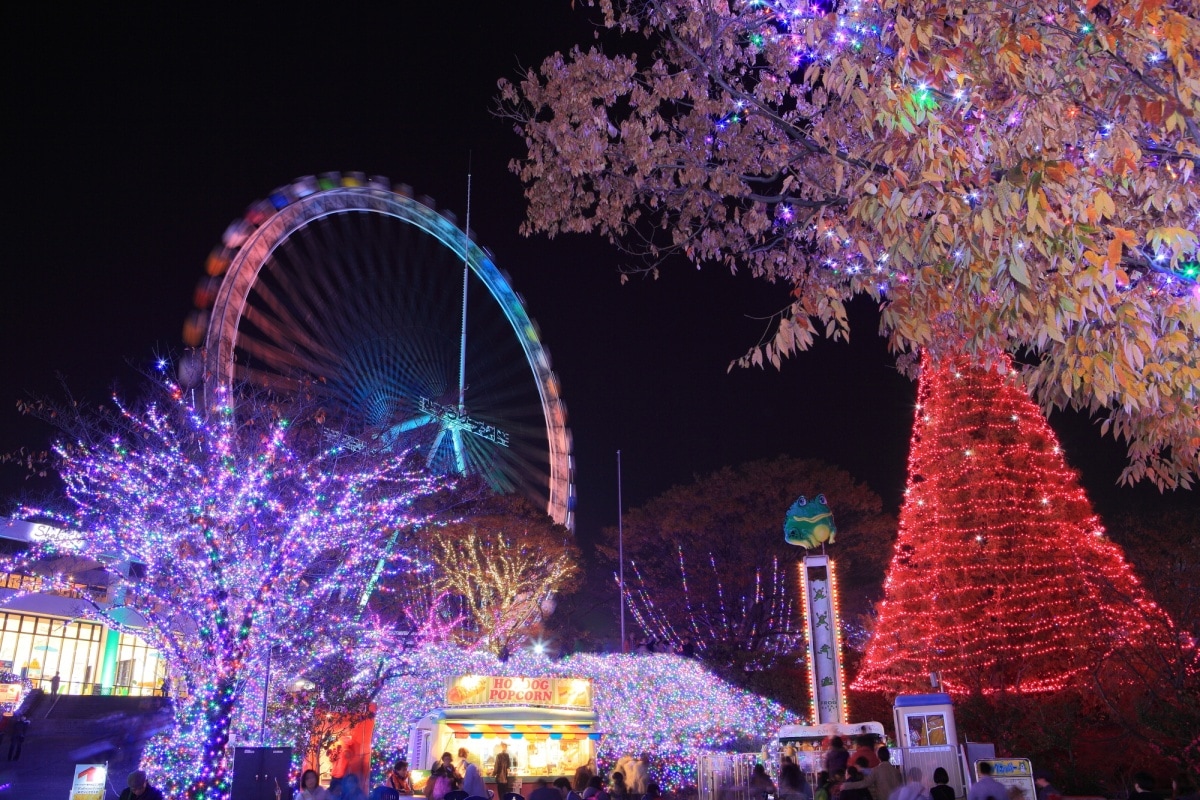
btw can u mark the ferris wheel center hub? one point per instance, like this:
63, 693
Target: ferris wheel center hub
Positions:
458, 419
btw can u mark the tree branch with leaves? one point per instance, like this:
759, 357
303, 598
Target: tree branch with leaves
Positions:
997, 176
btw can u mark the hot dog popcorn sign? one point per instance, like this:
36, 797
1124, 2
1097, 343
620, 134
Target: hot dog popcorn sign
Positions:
495, 690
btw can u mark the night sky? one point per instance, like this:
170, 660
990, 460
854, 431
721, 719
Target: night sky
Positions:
134, 137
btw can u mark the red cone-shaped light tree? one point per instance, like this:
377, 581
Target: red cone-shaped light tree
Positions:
1002, 578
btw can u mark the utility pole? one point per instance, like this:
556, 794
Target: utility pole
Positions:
621, 551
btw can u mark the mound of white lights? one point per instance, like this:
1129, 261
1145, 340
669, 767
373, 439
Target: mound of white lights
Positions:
665, 705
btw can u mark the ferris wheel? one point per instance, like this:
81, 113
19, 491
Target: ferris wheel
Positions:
345, 286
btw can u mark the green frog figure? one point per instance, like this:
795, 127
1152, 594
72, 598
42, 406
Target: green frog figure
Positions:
809, 523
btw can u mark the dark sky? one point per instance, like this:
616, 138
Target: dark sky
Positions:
134, 137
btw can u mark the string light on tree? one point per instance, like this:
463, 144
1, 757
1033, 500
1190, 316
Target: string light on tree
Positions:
232, 533
1023, 174
760, 622
665, 705
1002, 578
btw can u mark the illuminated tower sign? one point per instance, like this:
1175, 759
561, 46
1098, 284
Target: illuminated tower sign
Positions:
810, 524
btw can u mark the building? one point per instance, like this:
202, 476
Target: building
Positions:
45, 632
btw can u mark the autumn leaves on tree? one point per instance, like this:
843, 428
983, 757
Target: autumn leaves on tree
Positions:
997, 176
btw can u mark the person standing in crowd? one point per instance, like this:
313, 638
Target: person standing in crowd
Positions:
884, 779
914, 789
472, 781
652, 791
852, 774
582, 775
987, 787
350, 790
138, 788
941, 786
501, 770
837, 757
399, 779
545, 791
623, 764
1045, 789
865, 748
792, 785
442, 778
17, 730
760, 782
824, 786
597, 783
563, 785
619, 790
637, 774
311, 788
464, 758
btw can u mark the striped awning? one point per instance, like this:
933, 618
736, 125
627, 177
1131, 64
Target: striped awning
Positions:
517, 730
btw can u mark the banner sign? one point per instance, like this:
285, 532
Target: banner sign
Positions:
494, 690
89, 781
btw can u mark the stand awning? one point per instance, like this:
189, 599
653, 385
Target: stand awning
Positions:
518, 730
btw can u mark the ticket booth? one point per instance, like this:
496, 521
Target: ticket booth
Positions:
925, 720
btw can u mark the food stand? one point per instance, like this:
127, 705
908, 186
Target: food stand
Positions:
548, 724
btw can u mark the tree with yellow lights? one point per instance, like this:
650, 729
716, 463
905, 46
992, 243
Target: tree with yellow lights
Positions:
502, 570
1002, 578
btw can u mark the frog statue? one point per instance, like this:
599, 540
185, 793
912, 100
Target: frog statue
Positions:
809, 523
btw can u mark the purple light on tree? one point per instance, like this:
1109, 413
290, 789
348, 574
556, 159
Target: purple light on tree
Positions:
228, 528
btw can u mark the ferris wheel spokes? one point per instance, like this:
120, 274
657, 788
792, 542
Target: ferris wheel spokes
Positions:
343, 288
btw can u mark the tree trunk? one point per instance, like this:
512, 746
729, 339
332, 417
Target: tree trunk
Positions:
213, 778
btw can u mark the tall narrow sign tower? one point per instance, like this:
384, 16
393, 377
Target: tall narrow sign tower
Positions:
809, 524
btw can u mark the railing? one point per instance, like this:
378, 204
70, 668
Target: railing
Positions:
725, 776
93, 688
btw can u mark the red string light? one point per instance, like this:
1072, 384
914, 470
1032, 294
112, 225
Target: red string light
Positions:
1002, 576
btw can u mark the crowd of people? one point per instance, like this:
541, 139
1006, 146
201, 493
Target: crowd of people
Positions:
629, 780
868, 774
863, 774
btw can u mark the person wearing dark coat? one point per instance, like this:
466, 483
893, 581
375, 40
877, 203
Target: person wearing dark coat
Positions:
941, 785
500, 771
1045, 789
140, 788
837, 758
17, 730
883, 780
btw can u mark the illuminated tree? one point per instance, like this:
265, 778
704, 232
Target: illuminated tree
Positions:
1018, 174
232, 530
503, 567
709, 565
336, 691
1002, 578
